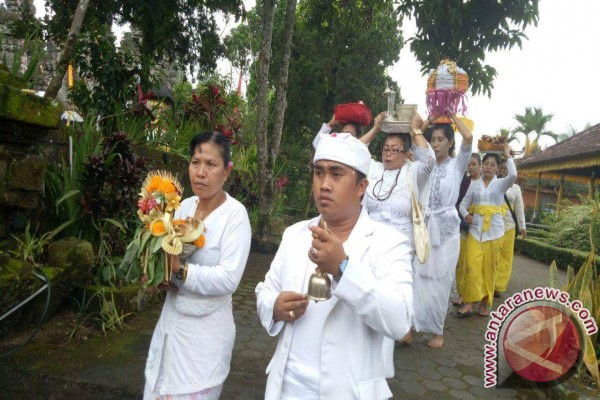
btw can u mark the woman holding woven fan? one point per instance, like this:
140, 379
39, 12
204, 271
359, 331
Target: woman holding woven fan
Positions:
482, 210
433, 280
191, 346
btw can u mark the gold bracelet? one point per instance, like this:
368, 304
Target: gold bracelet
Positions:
417, 132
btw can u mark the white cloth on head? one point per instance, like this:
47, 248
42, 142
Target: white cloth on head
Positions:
343, 148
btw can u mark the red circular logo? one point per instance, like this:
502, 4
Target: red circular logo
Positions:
541, 344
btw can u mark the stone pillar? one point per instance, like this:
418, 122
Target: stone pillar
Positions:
560, 193
538, 198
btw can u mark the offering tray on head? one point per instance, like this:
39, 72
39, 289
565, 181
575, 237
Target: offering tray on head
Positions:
395, 126
488, 144
398, 119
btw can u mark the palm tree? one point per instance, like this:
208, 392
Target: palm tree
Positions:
533, 122
510, 136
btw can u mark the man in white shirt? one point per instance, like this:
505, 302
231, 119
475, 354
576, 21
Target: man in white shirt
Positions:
332, 349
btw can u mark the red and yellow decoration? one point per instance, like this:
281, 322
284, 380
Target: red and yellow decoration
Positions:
159, 233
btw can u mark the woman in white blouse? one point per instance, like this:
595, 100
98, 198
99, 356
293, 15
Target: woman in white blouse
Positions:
433, 280
388, 196
191, 347
507, 248
482, 210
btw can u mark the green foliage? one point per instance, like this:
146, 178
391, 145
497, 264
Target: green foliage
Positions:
110, 317
31, 48
184, 32
110, 74
546, 253
182, 93
464, 30
31, 247
585, 286
566, 229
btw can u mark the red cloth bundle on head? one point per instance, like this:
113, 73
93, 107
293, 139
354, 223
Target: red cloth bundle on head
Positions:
357, 113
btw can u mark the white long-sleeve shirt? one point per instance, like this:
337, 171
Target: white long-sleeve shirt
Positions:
493, 194
395, 210
195, 333
372, 299
515, 198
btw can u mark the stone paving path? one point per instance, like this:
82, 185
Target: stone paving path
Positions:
112, 367
453, 372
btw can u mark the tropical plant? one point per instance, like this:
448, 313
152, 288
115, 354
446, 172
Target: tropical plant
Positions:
510, 136
585, 287
564, 228
30, 247
30, 47
110, 317
533, 122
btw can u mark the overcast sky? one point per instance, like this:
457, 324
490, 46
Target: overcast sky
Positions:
556, 70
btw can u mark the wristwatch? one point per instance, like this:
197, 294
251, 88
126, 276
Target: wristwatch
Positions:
417, 132
342, 267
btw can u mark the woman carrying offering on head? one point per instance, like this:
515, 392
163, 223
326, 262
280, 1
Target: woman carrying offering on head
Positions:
473, 174
388, 196
433, 280
482, 210
193, 340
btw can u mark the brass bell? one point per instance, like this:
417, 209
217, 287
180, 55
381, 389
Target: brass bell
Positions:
319, 286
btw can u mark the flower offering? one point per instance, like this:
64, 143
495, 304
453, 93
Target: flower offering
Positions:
160, 233
446, 87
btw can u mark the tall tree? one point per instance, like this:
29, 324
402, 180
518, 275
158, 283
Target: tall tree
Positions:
533, 122
67, 50
464, 30
268, 144
265, 176
340, 55
341, 49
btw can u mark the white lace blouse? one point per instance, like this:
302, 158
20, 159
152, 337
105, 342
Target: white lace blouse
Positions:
388, 195
441, 216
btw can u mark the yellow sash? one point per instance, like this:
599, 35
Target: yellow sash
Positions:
504, 208
486, 211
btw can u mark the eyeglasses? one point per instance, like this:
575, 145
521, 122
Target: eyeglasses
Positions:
393, 151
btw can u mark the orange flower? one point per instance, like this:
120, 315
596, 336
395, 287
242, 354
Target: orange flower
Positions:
155, 182
166, 187
200, 241
179, 222
157, 228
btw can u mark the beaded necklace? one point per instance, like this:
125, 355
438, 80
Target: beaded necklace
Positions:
387, 195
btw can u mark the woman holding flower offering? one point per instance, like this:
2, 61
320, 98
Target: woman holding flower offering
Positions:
191, 347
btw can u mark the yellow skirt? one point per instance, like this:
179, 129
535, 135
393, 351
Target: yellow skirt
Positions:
481, 265
507, 250
461, 266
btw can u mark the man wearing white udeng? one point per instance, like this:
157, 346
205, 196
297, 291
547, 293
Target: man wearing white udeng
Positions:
332, 349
